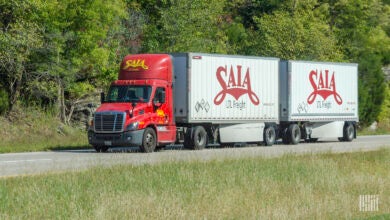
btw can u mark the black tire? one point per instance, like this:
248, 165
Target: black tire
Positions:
188, 143
348, 132
149, 141
199, 138
269, 136
294, 133
101, 149
97, 148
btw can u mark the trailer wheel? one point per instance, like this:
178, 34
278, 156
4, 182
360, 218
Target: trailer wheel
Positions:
199, 138
294, 133
269, 136
348, 132
149, 141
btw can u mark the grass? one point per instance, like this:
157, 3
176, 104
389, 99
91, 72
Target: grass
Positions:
292, 187
383, 128
33, 130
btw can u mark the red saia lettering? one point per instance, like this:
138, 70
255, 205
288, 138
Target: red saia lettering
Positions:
323, 87
235, 85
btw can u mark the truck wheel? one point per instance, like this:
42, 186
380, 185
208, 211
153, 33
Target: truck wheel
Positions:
269, 136
188, 139
348, 132
100, 148
199, 138
149, 141
294, 133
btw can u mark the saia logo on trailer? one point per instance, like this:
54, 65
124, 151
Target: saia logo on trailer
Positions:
323, 87
235, 84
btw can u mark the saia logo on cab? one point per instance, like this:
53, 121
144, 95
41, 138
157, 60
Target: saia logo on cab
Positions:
135, 64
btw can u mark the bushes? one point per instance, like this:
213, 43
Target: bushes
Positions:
3, 101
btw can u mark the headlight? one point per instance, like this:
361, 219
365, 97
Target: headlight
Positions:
133, 126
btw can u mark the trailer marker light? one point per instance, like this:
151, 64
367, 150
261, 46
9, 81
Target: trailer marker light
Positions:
197, 57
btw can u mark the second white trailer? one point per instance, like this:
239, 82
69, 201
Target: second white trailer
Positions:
318, 100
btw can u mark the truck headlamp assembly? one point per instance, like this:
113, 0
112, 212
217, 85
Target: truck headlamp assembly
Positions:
133, 126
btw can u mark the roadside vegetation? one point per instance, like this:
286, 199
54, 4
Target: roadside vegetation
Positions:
324, 186
382, 129
31, 129
61, 53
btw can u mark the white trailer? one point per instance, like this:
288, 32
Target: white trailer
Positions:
234, 98
318, 100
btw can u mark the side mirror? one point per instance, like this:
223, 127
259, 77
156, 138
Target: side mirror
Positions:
156, 103
102, 97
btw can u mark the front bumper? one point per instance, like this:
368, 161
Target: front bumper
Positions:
124, 139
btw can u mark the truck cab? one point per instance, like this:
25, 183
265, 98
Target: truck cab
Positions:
138, 108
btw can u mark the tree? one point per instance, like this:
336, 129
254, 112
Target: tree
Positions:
80, 48
188, 26
297, 31
19, 37
362, 30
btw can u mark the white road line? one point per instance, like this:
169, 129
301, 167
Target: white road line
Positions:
23, 161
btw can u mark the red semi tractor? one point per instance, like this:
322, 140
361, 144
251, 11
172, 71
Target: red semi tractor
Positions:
196, 99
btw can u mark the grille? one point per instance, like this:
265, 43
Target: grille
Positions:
109, 122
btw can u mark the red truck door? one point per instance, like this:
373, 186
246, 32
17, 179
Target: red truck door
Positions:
166, 129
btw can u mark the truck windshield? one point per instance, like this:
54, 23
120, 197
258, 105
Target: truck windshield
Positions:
129, 94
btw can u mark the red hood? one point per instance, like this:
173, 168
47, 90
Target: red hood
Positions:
120, 107
114, 107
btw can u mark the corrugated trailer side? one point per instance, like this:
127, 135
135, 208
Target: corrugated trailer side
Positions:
319, 91
226, 89
318, 100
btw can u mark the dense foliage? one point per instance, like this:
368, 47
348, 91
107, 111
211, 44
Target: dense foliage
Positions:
58, 53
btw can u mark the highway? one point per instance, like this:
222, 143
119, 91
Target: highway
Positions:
17, 164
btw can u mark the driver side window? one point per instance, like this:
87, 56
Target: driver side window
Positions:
159, 96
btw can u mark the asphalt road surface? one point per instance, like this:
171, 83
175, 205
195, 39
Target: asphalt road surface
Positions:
16, 164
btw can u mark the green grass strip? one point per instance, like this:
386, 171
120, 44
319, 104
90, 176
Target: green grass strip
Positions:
291, 187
